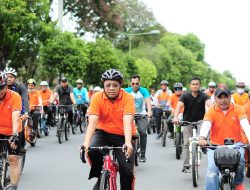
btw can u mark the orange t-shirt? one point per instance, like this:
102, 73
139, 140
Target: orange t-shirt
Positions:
174, 101
225, 125
209, 93
240, 99
111, 113
33, 99
12, 102
46, 96
163, 96
247, 109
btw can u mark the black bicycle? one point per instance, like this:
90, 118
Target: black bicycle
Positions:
4, 164
166, 112
63, 128
227, 159
79, 119
137, 140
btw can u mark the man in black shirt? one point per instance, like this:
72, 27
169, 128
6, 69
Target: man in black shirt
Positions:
194, 103
66, 97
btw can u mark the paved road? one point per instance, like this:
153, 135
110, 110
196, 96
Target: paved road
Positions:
53, 166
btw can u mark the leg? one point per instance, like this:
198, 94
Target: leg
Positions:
36, 116
239, 177
142, 129
187, 133
158, 120
70, 114
170, 126
212, 179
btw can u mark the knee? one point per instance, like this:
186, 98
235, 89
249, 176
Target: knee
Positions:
13, 159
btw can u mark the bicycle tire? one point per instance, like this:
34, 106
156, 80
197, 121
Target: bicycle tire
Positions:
60, 130
194, 164
5, 172
178, 145
104, 184
137, 153
23, 157
164, 135
82, 127
67, 130
34, 139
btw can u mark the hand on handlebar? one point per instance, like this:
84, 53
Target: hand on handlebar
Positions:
176, 121
202, 142
128, 149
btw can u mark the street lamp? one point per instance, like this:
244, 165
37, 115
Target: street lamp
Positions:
130, 36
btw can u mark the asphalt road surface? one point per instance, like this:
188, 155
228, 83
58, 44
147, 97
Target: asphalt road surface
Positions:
54, 166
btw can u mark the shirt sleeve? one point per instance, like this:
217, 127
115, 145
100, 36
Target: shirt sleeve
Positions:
145, 93
206, 97
57, 89
94, 107
71, 89
129, 106
17, 102
182, 98
246, 128
209, 115
205, 128
241, 112
25, 98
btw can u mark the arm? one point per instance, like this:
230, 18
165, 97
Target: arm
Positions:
72, 98
15, 121
53, 97
246, 128
148, 102
209, 102
127, 122
25, 99
93, 119
205, 129
177, 111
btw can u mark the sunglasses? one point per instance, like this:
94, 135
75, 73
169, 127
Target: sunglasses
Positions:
137, 83
178, 89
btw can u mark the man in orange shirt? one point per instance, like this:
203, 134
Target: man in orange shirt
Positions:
10, 128
111, 122
224, 120
161, 98
240, 97
172, 102
35, 101
46, 95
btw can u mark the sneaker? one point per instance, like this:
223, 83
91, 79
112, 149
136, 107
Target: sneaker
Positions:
185, 169
240, 187
11, 187
97, 185
142, 159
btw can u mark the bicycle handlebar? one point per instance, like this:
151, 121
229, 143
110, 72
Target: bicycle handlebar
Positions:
191, 123
213, 147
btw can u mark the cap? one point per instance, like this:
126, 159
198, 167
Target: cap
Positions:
222, 90
63, 79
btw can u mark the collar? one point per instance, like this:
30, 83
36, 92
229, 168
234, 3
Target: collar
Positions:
217, 108
104, 96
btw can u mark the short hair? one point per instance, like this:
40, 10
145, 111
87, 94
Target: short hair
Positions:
195, 78
136, 76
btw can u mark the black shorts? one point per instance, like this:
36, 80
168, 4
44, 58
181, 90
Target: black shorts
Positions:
6, 143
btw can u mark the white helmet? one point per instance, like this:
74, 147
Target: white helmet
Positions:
211, 84
9, 70
97, 89
44, 83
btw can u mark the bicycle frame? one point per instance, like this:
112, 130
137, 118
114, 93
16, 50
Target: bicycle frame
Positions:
194, 139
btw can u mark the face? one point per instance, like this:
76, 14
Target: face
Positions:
152, 92
43, 88
31, 87
11, 79
195, 85
223, 101
135, 83
211, 88
178, 91
3, 90
64, 83
164, 87
79, 85
112, 88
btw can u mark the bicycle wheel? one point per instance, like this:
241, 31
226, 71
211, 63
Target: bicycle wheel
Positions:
178, 145
194, 164
33, 138
164, 135
67, 130
60, 130
22, 161
75, 124
104, 184
137, 153
5, 172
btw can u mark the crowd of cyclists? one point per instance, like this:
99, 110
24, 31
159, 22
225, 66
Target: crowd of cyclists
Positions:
118, 116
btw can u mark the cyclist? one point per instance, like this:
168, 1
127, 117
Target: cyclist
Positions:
66, 97
172, 102
22, 91
35, 100
10, 127
111, 122
46, 95
97, 89
161, 98
81, 97
194, 103
141, 98
91, 91
203, 89
240, 97
224, 120
211, 90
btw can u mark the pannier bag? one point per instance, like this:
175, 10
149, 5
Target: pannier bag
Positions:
227, 158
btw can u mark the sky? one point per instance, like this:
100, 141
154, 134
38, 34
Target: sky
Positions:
222, 25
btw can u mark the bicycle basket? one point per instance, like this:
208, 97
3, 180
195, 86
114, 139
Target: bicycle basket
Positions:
227, 158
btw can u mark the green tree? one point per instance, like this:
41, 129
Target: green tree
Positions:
147, 72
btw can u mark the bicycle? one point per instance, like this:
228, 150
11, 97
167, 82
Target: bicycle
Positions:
31, 133
166, 111
4, 165
195, 151
110, 166
227, 159
79, 119
63, 128
178, 140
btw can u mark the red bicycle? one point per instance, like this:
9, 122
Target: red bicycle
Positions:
109, 169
